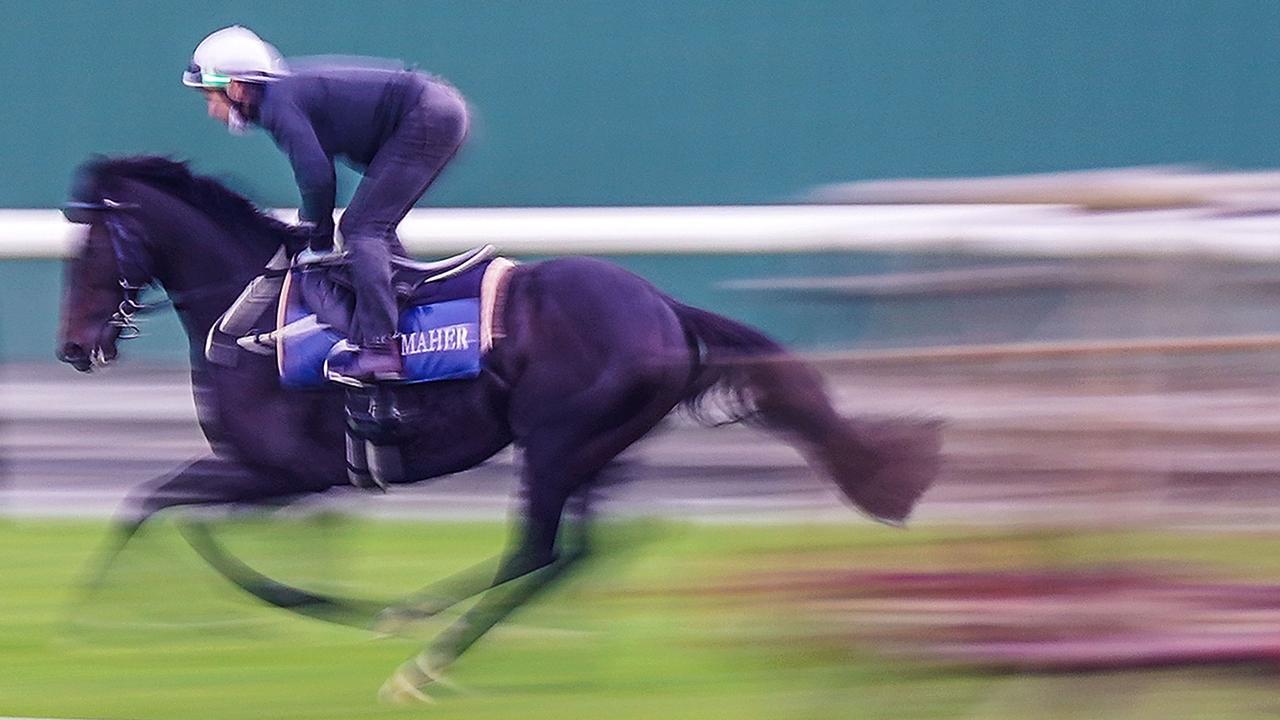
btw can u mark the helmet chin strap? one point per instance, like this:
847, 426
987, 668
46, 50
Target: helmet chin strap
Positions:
236, 122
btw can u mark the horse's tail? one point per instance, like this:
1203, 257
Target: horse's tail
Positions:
882, 466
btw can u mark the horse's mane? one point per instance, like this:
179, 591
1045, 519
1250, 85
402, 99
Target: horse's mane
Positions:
175, 178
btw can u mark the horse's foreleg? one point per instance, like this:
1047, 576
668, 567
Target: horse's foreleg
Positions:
342, 611
390, 618
95, 575
178, 488
211, 481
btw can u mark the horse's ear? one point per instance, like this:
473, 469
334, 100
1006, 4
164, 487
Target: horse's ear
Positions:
86, 213
85, 196
82, 213
84, 186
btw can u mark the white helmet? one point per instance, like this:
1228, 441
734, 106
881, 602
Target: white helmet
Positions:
232, 53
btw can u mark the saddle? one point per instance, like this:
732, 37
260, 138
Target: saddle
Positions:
447, 313
410, 278
450, 315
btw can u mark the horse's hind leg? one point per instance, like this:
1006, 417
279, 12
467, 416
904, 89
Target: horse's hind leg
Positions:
514, 585
444, 594
569, 444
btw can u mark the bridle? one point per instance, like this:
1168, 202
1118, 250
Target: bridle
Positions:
134, 273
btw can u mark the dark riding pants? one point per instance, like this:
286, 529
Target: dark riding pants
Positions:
400, 173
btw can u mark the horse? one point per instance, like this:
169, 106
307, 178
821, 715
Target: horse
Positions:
593, 358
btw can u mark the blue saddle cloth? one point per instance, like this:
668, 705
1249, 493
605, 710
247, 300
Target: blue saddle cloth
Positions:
439, 326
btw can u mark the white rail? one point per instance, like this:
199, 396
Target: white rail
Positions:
1027, 230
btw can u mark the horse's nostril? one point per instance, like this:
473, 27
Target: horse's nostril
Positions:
70, 352
75, 356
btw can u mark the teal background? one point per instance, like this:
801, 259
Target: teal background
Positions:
663, 102
678, 101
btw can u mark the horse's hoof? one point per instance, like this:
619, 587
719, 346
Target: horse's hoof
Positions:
401, 689
410, 681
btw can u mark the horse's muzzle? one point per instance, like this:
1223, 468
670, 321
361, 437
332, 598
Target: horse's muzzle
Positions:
76, 356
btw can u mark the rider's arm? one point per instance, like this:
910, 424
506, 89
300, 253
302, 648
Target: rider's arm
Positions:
312, 169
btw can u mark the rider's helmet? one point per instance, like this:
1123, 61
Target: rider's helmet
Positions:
232, 53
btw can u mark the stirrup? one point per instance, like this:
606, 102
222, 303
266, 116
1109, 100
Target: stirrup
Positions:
266, 343
260, 344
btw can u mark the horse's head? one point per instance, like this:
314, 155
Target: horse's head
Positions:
104, 275
150, 220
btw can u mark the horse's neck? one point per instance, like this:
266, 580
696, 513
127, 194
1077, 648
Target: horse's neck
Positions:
203, 266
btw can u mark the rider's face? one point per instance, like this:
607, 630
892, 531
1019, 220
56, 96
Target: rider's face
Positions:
218, 105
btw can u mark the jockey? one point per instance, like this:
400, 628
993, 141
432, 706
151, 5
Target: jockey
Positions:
398, 126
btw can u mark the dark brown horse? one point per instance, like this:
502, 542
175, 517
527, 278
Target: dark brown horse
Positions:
594, 357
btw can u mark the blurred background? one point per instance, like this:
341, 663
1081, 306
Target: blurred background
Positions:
1053, 225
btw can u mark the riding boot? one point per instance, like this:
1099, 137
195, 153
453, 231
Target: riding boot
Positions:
375, 361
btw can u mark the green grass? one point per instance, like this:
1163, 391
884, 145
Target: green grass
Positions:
647, 630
